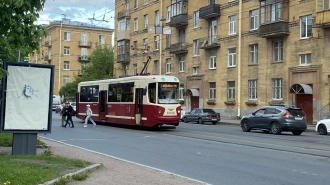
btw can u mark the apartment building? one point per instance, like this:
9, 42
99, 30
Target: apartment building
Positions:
232, 56
68, 46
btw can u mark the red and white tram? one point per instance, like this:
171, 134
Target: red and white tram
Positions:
137, 100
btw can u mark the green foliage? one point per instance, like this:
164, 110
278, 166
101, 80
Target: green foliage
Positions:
81, 176
100, 67
6, 139
17, 23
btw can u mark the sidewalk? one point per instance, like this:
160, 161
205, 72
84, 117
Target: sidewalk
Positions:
237, 122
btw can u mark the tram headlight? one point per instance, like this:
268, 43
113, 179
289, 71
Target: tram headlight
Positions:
159, 111
179, 111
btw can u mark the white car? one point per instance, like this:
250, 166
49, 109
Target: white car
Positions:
323, 126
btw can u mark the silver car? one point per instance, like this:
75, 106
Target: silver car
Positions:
201, 116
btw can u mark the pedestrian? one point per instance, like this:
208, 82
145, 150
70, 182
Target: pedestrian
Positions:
70, 112
63, 113
88, 116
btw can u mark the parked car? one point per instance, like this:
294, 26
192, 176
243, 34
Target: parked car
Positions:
201, 116
275, 119
58, 108
323, 126
183, 112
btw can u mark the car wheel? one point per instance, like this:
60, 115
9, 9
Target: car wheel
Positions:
322, 129
200, 121
245, 126
275, 128
296, 133
185, 120
214, 122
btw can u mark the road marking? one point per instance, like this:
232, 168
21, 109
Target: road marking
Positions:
86, 139
164, 171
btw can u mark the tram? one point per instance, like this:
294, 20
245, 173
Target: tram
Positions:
144, 100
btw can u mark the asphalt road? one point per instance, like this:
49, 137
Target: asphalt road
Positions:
216, 154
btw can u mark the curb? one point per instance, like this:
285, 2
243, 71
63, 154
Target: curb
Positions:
91, 167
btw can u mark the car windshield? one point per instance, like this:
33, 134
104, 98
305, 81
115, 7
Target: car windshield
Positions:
296, 112
168, 93
210, 111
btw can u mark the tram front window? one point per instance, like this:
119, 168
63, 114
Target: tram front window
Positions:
168, 93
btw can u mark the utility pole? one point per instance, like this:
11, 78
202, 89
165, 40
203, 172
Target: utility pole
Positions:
59, 56
19, 55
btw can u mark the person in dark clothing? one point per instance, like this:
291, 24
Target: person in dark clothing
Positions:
63, 113
70, 112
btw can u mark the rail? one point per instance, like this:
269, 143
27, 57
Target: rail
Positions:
323, 112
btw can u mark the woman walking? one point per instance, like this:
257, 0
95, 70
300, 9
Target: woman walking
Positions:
88, 116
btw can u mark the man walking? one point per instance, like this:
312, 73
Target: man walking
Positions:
88, 116
70, 112
63, 113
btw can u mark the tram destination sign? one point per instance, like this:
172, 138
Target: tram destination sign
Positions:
167, 85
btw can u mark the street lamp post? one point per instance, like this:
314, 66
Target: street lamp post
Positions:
161, 47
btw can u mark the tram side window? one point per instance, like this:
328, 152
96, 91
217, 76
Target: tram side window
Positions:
112, 94
127, 92
152, 92
89, 93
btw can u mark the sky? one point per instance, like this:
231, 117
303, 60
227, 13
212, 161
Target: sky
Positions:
79, 10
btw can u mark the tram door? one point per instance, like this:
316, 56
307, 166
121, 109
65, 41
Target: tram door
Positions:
102, 104
138, 105
77, 104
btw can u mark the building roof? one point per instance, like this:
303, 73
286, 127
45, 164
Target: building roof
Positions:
69, 23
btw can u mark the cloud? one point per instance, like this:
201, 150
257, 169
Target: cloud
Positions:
78, 10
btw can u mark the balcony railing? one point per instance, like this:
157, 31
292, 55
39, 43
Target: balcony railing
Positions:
122, 58
48, 44
210, 11
179, 20
83, 58
209, 42
47, 58
85, 44
274, 29
123, 14
178, 48
322, 19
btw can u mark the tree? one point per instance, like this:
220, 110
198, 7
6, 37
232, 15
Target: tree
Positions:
17, 23
100, 67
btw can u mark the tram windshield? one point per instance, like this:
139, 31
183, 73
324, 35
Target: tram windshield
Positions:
168, 93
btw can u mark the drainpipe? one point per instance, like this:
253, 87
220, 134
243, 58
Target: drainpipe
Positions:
161, 38
239, 60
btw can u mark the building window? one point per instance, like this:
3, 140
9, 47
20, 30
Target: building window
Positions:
232, 57
66, 65
123, 25
125, 69
168, 14
178, 7
157, 19
181, 91
157, 42
252, 89
136, 24
146, 69
213, 60
196, 47
182, 35
181, 64
168, 65
83, 65
232, 25
168, 41
306, 26
278, 51
270, 11
136, 3
254, 20
135, 47
66, 51
323, 5
277, 88
101, 39
145, 2
66, 79
146, 21
231, 90
212, 90
196, 19
212, 31
145, 44
253, 54
134, 69
305, 59
156, 67
66, 36
196, 70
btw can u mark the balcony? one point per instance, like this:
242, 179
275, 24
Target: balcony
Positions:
123, 35
210, 11
274, 29
322, 19
123, 14
48, 44
179, 20
178, 48
83, 58
122, 58
85, 44
209, 42
47, 58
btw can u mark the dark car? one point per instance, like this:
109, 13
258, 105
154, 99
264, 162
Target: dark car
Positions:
275, 119
201, 116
